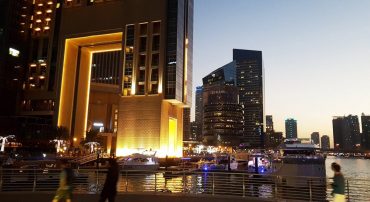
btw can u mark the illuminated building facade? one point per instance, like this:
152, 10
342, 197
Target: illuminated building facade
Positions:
222, 113
250, 82
128, 73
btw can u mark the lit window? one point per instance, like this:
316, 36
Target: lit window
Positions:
50, 2
48, 11
38, 12
47, 19
46, 28
13, 52
38, 20
37, 29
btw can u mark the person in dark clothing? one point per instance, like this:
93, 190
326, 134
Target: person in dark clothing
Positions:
110, 186
338, 184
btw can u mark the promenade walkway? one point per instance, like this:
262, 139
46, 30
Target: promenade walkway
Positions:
127, 197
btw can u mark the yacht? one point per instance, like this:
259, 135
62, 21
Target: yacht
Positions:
139, 162
300, 167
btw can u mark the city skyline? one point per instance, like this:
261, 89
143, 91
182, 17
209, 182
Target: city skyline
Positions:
309, 48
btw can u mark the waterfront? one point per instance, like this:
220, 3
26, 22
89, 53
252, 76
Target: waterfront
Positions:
351, 168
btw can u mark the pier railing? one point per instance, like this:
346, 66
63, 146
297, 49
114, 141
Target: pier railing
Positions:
182, 182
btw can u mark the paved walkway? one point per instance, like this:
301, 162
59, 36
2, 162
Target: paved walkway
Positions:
130, 197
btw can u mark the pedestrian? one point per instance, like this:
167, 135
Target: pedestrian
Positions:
65, 183
110, 186
338, 184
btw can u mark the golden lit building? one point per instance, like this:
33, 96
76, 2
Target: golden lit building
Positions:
125, 68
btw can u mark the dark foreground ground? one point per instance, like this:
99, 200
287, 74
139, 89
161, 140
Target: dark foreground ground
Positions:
47, 197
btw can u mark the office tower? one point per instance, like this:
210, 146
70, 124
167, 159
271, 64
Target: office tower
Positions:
365, 125
186, 124
325, 142
14, 35
276, 139
128, 73
193, 130
250, 83
199, 111
315, 138
269, 131
291, 128
222, 118
346, 132
269, 124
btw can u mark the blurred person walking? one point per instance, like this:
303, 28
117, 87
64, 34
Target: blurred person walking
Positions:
65, 183
110, 186
338, 184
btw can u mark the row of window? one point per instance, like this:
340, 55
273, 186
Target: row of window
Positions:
146, 68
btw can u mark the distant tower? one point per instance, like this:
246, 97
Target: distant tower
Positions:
199, 111
291, 128
365, 124
186, 122
346, 132
325, 142
269, 139
315, 137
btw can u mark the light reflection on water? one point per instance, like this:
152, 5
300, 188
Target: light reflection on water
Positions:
351, 168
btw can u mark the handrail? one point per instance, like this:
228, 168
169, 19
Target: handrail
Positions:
187, 182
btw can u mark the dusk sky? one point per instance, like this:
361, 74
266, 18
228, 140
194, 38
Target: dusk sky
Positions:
316, 54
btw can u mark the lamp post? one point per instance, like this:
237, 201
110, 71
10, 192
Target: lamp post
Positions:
4, 140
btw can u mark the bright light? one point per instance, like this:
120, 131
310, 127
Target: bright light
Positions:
74, 139
14, 52
98, 124
44, 155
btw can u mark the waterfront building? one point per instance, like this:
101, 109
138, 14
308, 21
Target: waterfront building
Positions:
315, 138
291, 128
199, 111
250, 83
365, 125
127, 74
346, 132
222, 118
325, 142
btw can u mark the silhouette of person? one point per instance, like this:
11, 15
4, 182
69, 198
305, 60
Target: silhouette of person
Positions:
110, 186
338, 184
65, 183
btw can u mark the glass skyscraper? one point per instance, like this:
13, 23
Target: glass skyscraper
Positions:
291, 128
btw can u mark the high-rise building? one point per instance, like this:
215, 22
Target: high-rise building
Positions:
186, 124
365, 125
346, 132
129, 74
222, 118
269, 132
14, 36
291, 128
325, 142
315, 138
193, 131
275, 139
199, 111
250, 83
269, 124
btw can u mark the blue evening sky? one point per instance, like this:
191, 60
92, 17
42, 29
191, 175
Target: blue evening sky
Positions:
316, 54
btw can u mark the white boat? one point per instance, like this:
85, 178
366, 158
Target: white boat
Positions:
139, 162
299, 162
